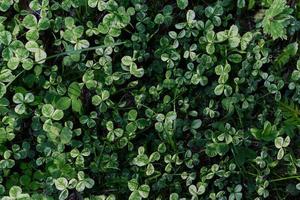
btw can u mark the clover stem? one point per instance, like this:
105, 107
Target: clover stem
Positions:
171, 141
284, 178
66, 53
252, 174
15, 77
80, 50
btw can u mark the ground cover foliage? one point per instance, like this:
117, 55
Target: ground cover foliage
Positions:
157, 99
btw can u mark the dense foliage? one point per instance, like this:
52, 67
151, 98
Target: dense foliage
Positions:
156, 99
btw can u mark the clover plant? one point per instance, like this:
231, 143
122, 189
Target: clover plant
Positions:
136, 99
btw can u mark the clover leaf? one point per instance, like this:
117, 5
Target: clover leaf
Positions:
182, 4
49, 112
138, 192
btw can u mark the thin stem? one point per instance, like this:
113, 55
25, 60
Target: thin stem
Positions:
252, 174
79, 51
66, 53
284, 178
261, 97
154, 33
15, 77
148, 108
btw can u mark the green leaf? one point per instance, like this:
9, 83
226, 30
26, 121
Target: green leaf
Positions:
131, 127
63, 103
155, 156
110, 136
80, 175
32, 34
76, 105
47, 110
234, 42
5, 37
44, 23
291, 113
103, 28
81, 44
141, 160
2, 89
69, 22
29, 21
286, 142
182, 4
109, 126
190, 16
13, 63
268, 133
278, 142
74, 90
118, 132
210, 48
280, 154
61, 183
80, 186
5, 5
241, 3
298, 186
201, 189
219, 89
4, 102
135, 71
40, 56
251, 4
150, 169
96, 100
210, 36
92, 3
18, 98
196, 124
174, 196
138, 72
27, 64
209, 11
104, 95
135, 196
6, 75
29, 98
133, 184
57, 115
25, 180
245, 40
159, 19
219, 70
15, 191
65, 135
132, 114
275, 29
21, 53
89, 183
127, 60
32, 46
235, 58
20, 109
215, 149
286, 55
144, 191
222, 36
193, 190
272, 24
63, 194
